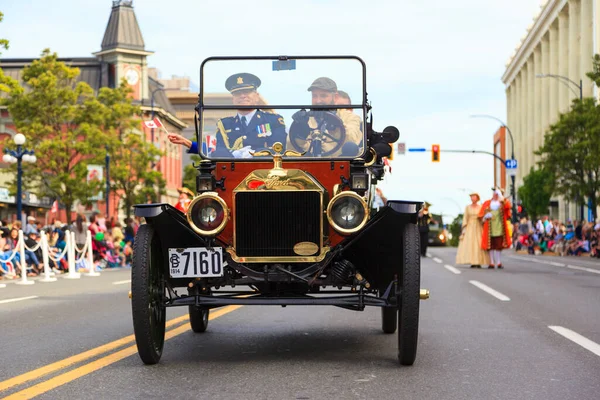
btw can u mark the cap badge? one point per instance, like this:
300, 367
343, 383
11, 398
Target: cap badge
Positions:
240, 80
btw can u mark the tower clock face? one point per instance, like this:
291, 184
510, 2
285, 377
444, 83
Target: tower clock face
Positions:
132, 76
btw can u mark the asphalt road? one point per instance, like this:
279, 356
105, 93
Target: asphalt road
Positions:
73, 341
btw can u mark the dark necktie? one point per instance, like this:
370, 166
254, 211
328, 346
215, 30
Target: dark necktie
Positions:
244, 121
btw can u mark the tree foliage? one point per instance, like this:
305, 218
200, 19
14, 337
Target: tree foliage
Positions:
69, 127
189, 173
132, 176
570, 152
455, 230
536, 192
131, 157
3, 42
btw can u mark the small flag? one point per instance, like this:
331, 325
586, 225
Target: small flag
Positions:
150, 124
212, 142
158, 123
387, 163
54, 208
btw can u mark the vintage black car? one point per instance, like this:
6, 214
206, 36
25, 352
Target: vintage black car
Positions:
283, 208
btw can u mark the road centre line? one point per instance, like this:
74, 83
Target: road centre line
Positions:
489, 290
577, 338
122, 282
93, 366
438, 260
45, 370
2, 285
452, 269
17, 299
556, 264
595, 271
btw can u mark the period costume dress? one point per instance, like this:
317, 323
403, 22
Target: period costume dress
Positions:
469, 247
496, 233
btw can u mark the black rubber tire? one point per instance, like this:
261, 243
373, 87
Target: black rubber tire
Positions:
147, 295
389, 319
408, 302
198, 318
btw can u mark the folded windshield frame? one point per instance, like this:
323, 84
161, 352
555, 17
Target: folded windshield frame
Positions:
363, 106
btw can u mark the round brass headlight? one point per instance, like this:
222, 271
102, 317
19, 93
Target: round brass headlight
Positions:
347, 212
208, 214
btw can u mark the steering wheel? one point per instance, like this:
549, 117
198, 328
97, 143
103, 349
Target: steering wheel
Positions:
318, 133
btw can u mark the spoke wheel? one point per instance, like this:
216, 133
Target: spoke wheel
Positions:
408, 300
147, 295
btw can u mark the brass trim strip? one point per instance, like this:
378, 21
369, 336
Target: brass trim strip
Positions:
290, 259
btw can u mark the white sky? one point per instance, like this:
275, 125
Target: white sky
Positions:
430, 64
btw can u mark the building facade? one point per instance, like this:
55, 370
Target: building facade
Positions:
561, 41
122, 55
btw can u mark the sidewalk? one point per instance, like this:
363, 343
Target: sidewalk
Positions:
555, 260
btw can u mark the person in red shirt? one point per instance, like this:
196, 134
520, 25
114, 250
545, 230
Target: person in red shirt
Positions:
184, 201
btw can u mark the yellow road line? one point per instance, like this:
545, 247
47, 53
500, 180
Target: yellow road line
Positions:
76, 373
47, 369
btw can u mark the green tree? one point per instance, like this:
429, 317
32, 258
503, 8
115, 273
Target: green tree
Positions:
63, 121
3, 42
189, 173
570, 152
456, 229
536, 192
131, 176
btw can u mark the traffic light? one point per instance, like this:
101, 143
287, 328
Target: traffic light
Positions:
435, 152
391, 156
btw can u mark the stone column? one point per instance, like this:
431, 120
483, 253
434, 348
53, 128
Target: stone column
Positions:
531, 108
574, 46
563, 60
538, 109
553, 69
586, 44
545, 84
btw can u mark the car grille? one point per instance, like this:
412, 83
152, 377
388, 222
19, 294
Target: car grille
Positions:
269, 224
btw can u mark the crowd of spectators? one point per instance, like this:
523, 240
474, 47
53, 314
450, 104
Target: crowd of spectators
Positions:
112, 244
573, 238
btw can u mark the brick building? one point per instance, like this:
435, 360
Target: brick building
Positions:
122, 54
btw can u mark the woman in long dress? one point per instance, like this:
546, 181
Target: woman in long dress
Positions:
469, 247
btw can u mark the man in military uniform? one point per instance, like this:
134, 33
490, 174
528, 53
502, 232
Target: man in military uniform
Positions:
324, 92
248, 131
423, 221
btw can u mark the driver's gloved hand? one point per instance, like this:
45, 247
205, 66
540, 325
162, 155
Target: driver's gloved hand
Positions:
300, 116
244, 152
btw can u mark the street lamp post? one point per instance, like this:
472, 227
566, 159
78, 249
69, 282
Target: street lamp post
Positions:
107, 159
512, 156
566, 81
18, 156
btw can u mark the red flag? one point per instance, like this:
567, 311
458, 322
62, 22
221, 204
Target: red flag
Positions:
158, 123
386, 162
150, 124
54, 208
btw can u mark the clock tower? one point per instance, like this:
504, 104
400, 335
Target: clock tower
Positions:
123, 54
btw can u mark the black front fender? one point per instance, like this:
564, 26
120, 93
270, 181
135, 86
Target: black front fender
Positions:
377, 250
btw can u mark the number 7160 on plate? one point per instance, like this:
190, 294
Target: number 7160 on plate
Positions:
196, 262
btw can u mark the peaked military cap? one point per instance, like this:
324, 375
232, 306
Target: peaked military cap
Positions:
323, 83
242, 81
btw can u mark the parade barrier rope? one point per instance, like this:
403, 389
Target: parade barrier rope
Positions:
72, 252
21, 248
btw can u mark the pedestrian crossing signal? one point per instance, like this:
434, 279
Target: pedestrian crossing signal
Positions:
435, 152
